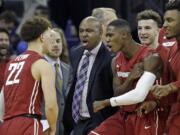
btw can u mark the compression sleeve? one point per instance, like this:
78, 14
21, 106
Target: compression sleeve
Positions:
1, 105
138, 94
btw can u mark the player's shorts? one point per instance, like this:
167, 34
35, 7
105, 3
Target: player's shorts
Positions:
123, 123
174, 126
21, 126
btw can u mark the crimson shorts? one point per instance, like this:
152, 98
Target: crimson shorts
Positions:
21, 126
174, 126
130, 124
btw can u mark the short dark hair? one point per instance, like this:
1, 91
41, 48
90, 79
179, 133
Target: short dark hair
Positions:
3, 30
121, 23
150, 14
33, 28
9, 16
173, 4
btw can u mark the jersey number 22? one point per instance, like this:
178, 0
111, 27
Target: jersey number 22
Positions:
15, 69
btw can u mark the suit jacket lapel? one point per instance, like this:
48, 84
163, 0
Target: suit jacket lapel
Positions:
77, 60
96, 65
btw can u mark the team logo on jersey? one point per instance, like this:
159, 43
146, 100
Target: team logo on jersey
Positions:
123, 74
168, 44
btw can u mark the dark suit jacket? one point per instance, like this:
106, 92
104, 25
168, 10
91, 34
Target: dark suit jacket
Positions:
100, 87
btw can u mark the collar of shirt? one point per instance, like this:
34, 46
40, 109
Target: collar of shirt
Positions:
51, 61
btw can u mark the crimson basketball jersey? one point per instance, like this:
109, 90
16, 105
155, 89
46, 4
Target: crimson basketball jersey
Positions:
22, 93
2, 70
124, 67
174, 65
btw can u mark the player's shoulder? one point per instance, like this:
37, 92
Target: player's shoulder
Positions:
41, 64
153, 56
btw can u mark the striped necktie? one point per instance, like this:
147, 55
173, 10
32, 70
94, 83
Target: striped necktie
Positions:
81, 79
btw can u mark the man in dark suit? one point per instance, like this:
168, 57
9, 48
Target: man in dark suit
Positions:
61, 71
95, 83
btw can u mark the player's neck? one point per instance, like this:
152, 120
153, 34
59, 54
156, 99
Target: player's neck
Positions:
35, 46
131, 49
154, 45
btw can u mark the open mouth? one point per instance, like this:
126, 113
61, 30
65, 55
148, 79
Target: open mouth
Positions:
85, 42
143, 38
109, 47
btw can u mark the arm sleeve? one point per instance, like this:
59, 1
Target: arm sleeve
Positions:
1, 105
138, 94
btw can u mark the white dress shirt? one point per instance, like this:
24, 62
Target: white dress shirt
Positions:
52, 62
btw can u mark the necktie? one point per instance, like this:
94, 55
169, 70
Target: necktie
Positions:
81, 78
58, 81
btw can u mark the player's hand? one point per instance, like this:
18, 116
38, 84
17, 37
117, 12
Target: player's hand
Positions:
160, 91
136, 72
99, 105
146, 107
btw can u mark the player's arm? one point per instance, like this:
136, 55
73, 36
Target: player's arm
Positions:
43, 71
151, 67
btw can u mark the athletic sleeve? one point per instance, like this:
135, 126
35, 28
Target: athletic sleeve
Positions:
1, 105
138, 94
